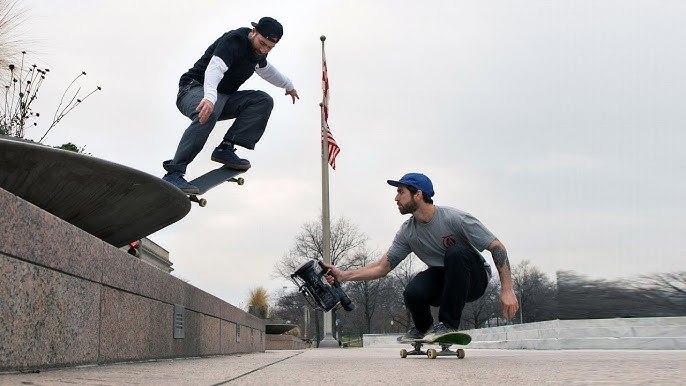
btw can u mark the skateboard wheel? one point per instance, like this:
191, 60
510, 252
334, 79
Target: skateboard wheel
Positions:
460, 353
403, 353
202, 202
431, 353
240, 180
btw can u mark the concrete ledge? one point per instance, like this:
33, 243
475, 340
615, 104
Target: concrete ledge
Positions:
285, 342
68, 298
592, 334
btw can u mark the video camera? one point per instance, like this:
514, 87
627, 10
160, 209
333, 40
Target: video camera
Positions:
311, 282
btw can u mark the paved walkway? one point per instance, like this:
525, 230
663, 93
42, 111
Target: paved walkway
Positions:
382, 366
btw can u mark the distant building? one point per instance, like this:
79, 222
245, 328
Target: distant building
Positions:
148, 251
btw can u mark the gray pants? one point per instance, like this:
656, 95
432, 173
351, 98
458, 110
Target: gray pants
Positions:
251, 109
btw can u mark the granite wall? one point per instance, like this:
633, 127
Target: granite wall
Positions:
68, 298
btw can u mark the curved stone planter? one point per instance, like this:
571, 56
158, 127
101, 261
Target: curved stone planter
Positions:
114, 202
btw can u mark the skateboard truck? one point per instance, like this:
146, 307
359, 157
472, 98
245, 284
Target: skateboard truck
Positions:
432, 353
444, 340
203, 202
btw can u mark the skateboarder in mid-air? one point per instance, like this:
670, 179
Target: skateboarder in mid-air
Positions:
448, 240
208, 93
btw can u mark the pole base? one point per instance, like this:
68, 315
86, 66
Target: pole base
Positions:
328, 342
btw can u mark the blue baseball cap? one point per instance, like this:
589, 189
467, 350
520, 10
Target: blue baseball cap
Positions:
417, 181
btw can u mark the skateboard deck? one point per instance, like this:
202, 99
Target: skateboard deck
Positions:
445, 341
113, 202
213, 178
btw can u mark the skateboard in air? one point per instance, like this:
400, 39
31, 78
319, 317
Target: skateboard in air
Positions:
445, 341
213, 178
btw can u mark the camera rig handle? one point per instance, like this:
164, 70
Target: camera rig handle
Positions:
327, 271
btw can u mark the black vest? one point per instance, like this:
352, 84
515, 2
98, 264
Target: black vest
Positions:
235, 49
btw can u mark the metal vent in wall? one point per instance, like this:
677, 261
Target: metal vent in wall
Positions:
179, 314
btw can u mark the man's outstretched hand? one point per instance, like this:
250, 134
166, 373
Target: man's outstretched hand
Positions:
509, 303
293, 94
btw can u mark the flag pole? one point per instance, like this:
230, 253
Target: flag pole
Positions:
328, 340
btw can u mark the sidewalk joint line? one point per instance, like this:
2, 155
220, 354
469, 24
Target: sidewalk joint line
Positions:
257, 369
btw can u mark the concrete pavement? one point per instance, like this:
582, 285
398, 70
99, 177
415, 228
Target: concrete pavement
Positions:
382, 366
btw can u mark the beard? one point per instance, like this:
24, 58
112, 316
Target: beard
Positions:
410, 207
256, 53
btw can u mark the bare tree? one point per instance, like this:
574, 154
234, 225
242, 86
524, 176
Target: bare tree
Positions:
645, 296
583, 298
291, 307
666, 288
537, 293
369, 296
400, 277
477, 313
346, 240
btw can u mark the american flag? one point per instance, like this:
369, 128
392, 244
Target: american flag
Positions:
333, 146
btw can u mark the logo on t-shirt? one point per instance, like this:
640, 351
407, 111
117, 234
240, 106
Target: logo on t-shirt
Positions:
448, 241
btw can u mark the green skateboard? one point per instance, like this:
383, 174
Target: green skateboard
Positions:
445, 341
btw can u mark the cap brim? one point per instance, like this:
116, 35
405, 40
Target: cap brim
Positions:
253, 24
393, 183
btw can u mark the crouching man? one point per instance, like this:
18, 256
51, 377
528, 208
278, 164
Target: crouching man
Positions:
449, 241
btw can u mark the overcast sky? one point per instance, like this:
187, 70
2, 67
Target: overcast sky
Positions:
559, 124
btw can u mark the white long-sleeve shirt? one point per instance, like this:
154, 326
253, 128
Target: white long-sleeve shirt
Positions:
216, 69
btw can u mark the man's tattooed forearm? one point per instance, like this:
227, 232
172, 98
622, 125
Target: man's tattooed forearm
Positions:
500, 257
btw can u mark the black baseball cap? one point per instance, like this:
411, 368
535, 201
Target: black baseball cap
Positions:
269, 28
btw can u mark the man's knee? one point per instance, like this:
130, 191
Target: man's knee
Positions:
263, 100
413, 294
409, 295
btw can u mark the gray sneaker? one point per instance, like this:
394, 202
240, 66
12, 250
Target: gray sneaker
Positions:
412, 334
440, 329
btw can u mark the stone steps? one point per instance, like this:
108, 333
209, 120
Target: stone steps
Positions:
635, 333
621, 334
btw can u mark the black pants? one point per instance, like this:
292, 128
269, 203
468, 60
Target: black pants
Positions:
463, 279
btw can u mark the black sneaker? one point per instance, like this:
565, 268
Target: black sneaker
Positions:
411, 335
440, 329
226, 154
176, 179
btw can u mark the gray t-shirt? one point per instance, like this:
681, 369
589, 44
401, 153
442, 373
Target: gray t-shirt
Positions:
448, 227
